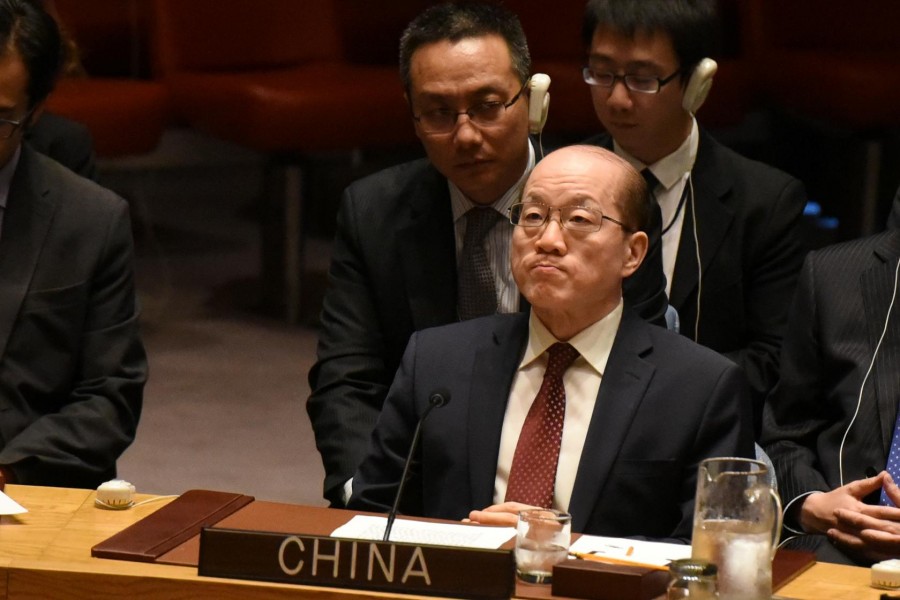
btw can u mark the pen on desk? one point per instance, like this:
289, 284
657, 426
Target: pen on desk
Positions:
616, 561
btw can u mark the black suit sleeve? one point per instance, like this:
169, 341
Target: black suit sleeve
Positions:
376, 481
770, 279
350, 378
77, 444
794, 414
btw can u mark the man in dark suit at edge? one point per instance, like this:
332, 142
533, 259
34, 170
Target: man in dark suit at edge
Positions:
616, 436
400, 242
739, 216
72, 365
831, 421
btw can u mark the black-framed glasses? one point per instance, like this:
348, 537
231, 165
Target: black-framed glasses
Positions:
9, 127
483, 114
644, 84
573, 218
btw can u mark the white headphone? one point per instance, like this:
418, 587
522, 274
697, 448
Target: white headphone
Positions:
698, 85
538, 102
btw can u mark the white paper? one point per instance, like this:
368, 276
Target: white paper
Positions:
636, 551
363, 527
8, 506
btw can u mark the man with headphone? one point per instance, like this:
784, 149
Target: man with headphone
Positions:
426, 243
830, 425
731, 245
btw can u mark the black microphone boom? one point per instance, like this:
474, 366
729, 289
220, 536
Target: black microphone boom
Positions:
437, 399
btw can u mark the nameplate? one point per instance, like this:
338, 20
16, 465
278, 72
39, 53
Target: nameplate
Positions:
358, 564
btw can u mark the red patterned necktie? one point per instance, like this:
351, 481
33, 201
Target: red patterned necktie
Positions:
532, 476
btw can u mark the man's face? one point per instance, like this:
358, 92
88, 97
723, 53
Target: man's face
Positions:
483, 161
649, 126
571, 275
13, 100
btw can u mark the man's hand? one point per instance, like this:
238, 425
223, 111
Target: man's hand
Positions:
498, 514
866, 532
817, 514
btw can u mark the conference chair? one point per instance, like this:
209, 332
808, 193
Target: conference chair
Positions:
125, 111
276, 77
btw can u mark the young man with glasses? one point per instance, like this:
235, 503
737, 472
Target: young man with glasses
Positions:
580, 406
730, 237
426, 243
72, 365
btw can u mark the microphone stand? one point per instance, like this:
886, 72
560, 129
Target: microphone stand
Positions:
436, 400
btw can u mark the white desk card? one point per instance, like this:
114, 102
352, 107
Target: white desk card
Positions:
362, 527
8, 506
631, 551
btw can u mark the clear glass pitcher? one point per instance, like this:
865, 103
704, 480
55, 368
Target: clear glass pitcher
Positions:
737, 523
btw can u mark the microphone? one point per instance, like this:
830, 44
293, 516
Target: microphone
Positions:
437, 399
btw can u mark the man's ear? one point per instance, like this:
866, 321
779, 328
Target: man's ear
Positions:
635, 251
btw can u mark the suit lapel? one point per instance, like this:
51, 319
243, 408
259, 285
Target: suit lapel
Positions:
29, 213
494, 367
427, 244
714, 218
877, 286
621, 392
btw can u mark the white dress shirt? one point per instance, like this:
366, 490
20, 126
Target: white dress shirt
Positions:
673, 172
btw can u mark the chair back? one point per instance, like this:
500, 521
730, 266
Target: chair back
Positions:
229, 35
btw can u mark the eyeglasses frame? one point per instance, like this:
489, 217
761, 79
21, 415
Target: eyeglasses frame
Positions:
660, 81
468, 112
550, 209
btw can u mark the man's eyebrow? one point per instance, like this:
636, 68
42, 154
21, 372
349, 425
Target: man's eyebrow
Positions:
484, 90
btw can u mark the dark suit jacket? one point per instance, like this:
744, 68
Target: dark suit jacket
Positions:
664, 405
393, 272
836, 321
748, 217
72, 366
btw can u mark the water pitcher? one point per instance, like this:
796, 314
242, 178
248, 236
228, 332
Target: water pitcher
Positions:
737, 523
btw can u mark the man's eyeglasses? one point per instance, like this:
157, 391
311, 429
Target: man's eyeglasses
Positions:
573, 218
645, 84
483, 114
9, 127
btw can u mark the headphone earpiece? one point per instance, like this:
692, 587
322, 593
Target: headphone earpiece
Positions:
538, 102
698, 85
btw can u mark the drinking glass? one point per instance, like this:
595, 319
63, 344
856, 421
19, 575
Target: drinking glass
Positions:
542, 540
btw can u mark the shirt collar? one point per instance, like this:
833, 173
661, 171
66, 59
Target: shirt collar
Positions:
593, 343
6, 175
461, 205
669, 169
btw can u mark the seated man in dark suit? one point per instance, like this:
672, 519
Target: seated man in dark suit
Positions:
730, 236
615, 438
401, 259
72, 365
830, 424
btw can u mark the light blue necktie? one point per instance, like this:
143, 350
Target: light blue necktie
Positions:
893, 462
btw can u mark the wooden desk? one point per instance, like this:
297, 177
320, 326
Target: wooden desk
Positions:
47, 553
